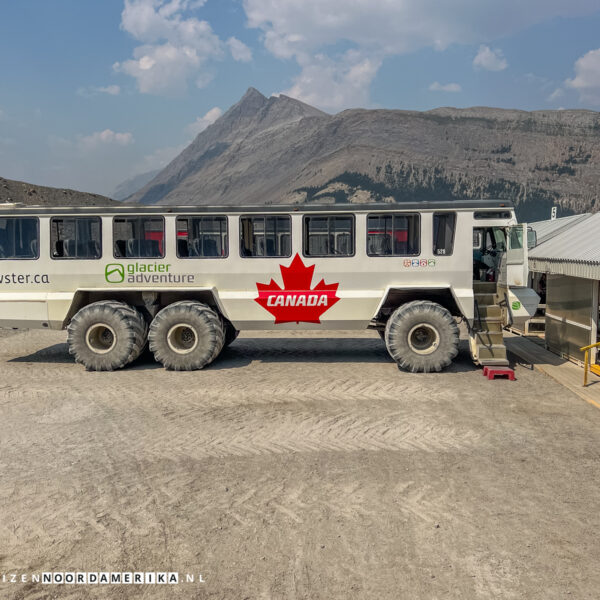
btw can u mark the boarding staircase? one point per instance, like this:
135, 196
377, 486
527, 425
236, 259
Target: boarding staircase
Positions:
485, 338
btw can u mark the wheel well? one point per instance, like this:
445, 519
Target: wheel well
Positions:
148, 302
396, 297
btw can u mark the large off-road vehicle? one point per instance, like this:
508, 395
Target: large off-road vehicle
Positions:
186, 280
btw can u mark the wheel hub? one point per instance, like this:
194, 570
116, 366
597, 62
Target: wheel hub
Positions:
423, 339
100, 338
182, 338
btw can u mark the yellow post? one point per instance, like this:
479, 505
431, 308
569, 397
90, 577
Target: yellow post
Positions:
586, 365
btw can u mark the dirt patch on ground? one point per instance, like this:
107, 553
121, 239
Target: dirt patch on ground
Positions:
295, 467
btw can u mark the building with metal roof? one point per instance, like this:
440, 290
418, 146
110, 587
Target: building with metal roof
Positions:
570, 248
550, 228
566, 268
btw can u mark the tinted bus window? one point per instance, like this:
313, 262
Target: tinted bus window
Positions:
492, 215
202, 237
76, 237
329, 235
19, 237
393, 234
138, 237
444, 225
263, 236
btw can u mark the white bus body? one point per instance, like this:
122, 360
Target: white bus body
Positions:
260, 268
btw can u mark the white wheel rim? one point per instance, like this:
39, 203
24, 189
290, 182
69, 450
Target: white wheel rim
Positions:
423, 339
100, 338
182, 338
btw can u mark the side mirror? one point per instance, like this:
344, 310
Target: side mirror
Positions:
531, 238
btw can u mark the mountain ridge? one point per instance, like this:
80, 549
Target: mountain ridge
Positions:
280, 150
29, 194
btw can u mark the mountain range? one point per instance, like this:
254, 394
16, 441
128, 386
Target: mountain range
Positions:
21, 192
133, 184
279, 150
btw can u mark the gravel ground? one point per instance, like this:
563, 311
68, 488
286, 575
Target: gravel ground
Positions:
295, 467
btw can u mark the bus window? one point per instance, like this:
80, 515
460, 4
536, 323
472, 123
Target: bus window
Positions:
498, 239
138, 237
19, 238
75, 237
202, 237
444, 225
492, 215
329, 235
264, 237
393, 234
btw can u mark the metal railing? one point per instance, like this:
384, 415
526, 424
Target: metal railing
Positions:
586, 360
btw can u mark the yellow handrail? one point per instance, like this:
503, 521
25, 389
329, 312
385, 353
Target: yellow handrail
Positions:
586, 360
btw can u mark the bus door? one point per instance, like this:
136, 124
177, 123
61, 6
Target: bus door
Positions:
514, 267
522, 301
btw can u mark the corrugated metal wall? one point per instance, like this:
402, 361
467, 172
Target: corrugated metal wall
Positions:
570, 306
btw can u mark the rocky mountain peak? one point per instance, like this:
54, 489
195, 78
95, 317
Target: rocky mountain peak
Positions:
250, 102
281, 150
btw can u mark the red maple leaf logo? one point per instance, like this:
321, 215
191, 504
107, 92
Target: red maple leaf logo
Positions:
297, 302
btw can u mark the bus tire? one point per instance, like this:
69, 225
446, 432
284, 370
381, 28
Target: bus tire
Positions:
106, 335
231, 333
141, 321
186, 336
422, 336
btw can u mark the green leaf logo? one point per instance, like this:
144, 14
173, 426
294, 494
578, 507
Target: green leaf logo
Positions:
114, 273
516, 305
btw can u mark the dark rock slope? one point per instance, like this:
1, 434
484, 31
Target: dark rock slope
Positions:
21, 192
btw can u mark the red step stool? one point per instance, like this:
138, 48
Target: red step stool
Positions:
493, 372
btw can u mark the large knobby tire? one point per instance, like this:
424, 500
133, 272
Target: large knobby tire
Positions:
231, 333
422, 336
106, 335
186, 336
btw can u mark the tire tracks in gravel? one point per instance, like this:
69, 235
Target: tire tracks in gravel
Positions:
254, 431
271, 408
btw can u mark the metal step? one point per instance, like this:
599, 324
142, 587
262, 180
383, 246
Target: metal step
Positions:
484, 287
485, 299
494, 352
490, 312
489, 338
491, 325
494, 362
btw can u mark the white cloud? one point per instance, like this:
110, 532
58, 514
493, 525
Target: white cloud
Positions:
335, 83
587, 77
376, 29
555, 95
490, 60
239, 50
111, 90
104, 138
163, 69
201, 123
175, 49
445, 87
534, 79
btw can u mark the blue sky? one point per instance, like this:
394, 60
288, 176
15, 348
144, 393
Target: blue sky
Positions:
94, 92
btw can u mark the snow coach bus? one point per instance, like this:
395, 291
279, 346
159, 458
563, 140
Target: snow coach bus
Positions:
185, 280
